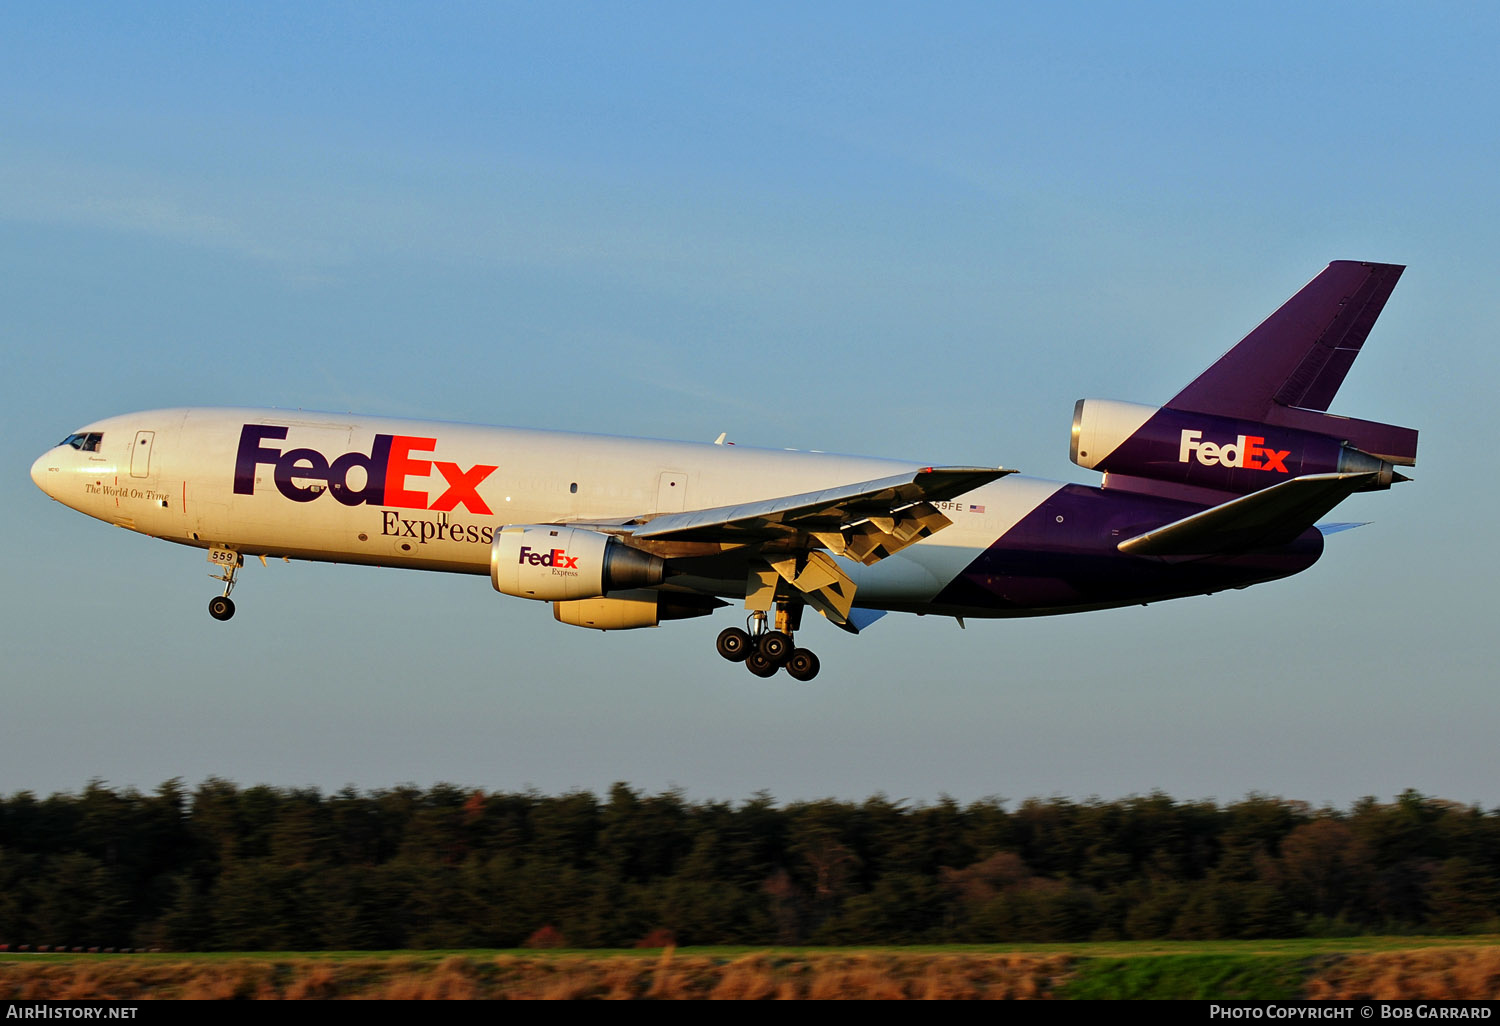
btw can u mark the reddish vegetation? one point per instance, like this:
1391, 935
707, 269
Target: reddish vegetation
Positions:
1430, 974
547, 937
756, 976
658, 938
1433, 974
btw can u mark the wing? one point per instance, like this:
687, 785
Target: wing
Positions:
885, 502
788, 539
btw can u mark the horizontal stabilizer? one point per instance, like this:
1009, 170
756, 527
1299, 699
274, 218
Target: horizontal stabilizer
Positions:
1266, 519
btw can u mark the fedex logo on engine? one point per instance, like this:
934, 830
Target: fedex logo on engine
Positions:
558, 559
304, 474
1245, 452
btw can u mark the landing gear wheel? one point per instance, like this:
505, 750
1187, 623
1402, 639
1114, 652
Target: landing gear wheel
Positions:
802, 664
220, 607
775, 646
758, 664
733, 644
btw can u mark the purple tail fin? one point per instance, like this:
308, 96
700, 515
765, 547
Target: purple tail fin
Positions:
1258, 416
1286, 371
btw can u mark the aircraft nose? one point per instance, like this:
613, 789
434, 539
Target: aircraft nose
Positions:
43, 470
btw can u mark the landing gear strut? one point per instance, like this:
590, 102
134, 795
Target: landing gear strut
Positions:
220, 607
763, 650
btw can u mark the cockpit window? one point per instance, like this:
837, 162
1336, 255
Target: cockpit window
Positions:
88, 441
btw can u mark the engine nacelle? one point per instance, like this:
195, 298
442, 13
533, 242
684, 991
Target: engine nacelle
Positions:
551, 563
629, 610
1221, 453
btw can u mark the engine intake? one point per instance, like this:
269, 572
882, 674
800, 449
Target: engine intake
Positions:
552, 563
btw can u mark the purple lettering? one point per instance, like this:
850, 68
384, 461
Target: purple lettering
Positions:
288, 472
252, 454
373, 493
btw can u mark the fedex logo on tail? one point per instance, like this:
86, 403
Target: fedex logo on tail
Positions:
1247, 452
303, 474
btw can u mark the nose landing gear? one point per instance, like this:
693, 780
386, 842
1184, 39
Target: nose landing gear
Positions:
765, 651
220, 607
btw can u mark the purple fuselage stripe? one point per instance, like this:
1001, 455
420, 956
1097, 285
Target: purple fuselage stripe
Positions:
1063, 555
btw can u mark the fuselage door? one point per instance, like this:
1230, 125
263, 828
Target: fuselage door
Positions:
140, 454
671, 492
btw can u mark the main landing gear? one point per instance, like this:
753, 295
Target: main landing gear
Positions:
220, 607
765, 651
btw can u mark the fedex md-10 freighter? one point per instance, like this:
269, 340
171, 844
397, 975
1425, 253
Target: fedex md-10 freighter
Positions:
1222, 487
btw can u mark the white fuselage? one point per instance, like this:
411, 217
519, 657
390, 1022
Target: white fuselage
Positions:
438, 492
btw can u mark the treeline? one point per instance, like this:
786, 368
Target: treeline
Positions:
262, 868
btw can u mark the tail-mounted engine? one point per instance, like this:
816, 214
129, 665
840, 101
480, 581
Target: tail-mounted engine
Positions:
538, 561
1224, 453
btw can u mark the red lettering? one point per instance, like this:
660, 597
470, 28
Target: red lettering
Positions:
1252, 446
461, 487
1274, 459
402, 466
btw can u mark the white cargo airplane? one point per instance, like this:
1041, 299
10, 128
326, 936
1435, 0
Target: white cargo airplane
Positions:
1220, 488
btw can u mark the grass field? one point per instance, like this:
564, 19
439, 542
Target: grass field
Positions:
1364, 967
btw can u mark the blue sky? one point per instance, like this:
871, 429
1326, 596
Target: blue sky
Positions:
861, 228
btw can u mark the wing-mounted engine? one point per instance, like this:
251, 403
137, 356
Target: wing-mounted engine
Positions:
553, 563
629, 610
1128, 441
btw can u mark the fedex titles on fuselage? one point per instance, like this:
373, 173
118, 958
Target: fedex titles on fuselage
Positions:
303, 474
1246, 452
